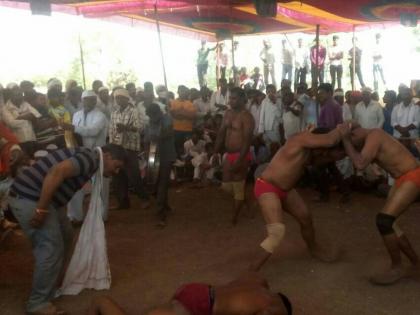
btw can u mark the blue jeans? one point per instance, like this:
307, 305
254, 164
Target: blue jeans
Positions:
50, 244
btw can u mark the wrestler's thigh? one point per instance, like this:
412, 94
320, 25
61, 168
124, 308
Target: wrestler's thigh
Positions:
296, 207
271, 208
401, 199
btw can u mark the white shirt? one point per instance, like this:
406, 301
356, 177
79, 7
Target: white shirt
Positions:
267, 56
92, 127
301, 57
333, 52
255, 111
202, 107
377, 54
405, 116
371, 116
23, 129
287, 56
292, 124
191, 149
347, 112
270, 115
218, 98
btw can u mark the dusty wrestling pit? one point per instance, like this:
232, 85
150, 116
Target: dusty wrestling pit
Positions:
148, 264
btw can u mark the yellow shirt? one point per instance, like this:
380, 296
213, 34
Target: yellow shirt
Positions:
61, 114
183, 124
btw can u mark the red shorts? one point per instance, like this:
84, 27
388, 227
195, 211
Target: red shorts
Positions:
233, 157
197, 298
411, 176
262, 187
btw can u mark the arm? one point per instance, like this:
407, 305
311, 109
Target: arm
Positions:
316, 141
221, 135
365, 157
10, 121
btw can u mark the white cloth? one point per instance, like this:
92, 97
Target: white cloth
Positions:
267, 56
292, 124
405, 116
191, 149
23, 129
377, 53
333, 53
218, 98
202, 107
91, 127
89, 266
371, 116
347, 112
301, 57
287, 56
255, 111
270, 116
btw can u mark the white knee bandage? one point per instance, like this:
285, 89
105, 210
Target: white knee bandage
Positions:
275, 233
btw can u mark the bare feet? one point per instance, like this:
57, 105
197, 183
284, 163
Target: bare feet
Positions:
390, 276
324, 254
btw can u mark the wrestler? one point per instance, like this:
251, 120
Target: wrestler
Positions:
376, 146
275, 192
248, 295
236, 136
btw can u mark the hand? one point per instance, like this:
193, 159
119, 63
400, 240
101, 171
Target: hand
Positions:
39, 218
344, 130
68, 127
310, 127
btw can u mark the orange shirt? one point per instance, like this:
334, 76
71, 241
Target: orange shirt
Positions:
185, 123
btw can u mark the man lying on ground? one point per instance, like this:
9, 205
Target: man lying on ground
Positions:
275, 192
379, 147
248, 295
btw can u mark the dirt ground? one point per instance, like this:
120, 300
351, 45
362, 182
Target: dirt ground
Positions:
148, 264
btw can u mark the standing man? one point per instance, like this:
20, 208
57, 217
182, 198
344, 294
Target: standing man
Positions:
203, 63
268, 59
184, 114
96, 85
203, 105
377, 62
286, 61
161, 132
275, 192
377, 146
222, 61
91, 124
390, 100
255, 99
336, 62
292, 115
369, 113
271, 121
317, 69
219, 101
124, 130
301, 63
104, 103
38, 198
357, 67
236, 136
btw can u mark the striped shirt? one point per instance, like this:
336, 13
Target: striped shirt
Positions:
28, 182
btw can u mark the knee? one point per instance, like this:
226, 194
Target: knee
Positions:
384, 223
276, 232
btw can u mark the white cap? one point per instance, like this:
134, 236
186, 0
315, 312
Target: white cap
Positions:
103, 88
51, 147
88, 93
40, 154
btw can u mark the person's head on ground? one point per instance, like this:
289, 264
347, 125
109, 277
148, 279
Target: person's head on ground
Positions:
237, 99
74, 95
96, 85
288, 98
223, 84
89, 100
122, 98
406, 96
366, 95
390, 98
103, 94
339, 96
183, 93
205, 93
325, 92
271, 92
131, 88
55, 97
155, 113
114, 157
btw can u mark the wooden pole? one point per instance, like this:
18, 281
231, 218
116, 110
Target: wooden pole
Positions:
160, 46
82, 62
316, 56
353, 85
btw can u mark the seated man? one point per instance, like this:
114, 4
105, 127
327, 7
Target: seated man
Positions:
275, 192
379, 147
248, 295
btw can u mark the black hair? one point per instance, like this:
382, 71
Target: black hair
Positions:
327, 87
286, 303
392, 95
130, 85
117, 152
270, 86
96, 82
153, 110
239, 92
54, 92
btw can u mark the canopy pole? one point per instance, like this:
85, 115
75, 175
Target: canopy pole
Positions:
354, 60
217, 62
233, 60
82, 62
317, 56
160, 46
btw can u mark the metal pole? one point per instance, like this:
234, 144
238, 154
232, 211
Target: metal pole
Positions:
160, 47
82, 62
217, 63
233, 60
316, 56
354, 60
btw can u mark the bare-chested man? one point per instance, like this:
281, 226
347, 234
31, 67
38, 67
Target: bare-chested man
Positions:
236, 135
379, 147
275, 191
